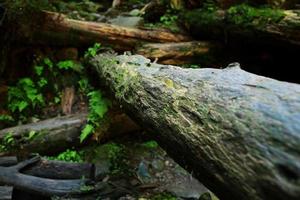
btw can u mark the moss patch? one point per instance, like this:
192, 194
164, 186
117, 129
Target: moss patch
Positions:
246, 15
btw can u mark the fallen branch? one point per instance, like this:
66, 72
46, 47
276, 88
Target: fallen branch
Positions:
43, 186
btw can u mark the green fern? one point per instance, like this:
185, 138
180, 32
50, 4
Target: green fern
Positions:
98, 106
87, 131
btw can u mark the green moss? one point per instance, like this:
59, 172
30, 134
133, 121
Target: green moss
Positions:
203, 16
246, 15
150, 144
163, 196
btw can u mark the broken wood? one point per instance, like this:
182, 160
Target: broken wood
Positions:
237, 132
222, 25
58, 30
43, 186
57, 134
181, 53
54, 169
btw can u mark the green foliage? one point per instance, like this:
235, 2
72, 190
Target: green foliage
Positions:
7, 143
168, 20
87, 130
6, 118
163, 196
116, 155
67, 64
84, 86
92, 51
150, 144
246, 15
24, 95
98, 106
31, 135
68, 156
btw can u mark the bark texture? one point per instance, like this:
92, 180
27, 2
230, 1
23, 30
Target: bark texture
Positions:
57, 134
230, 27
42, 186
237, 132
180, 53
60, 30
53, 169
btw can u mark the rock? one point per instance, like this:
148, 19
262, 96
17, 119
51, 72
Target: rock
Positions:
128, 21
135, 12
185, 186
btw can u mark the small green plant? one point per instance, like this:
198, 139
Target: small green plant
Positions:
168, 19
7, 143
24, 95
6, 118
150, 144
98, 106
116, 155
68, 156
31, 135
92, 51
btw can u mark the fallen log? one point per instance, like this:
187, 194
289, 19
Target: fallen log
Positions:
52, 135
54, 169
5, 192
246, 24
57, 134
42, 186
181, 53
58, 30
237, 132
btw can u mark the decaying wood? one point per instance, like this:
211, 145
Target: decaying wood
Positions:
238, 133
60, 30
5, 192
57, 134
8, 161
61, 170
180, 53
218, 26
54, 169
52, 135
43, 186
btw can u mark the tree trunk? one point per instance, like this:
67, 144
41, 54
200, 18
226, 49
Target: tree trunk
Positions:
237, 132
57, 134
181, 53
237, 26
58, 30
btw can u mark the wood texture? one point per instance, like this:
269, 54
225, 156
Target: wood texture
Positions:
62, 31
237, 132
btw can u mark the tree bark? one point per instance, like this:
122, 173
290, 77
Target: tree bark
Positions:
5, 192
43, 186
181, 53
219, 25
237, 132
54, 169
57, 134
58, 30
